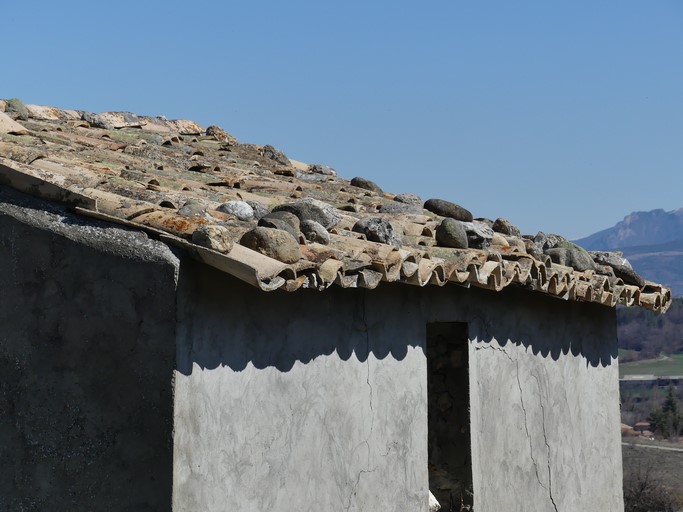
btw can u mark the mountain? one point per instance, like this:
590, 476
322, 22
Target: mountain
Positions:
638, 228
652, 241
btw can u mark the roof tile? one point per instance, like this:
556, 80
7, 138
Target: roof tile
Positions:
170, 178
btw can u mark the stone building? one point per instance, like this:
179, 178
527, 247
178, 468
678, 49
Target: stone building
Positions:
192, 323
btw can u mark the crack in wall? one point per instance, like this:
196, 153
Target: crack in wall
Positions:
545, 439
367, 380
347, 507
372, 411
521, 398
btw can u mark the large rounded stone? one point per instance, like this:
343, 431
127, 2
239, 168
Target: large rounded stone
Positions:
312, 209
499, 239
367, 185
240, 209
479, 235
259, 209
220, 134
378, 229
213, 237
97, 121
322, 169
451, 233
505, 227
282, 220
448, 209
611, 258
16, 109
628, 275
193, 208
544, 241
314, 232
276, 155
577, 259
274, 243
409, 199
394, 207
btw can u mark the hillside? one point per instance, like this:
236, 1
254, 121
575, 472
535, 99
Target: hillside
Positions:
637, 229
651, 241
648, 334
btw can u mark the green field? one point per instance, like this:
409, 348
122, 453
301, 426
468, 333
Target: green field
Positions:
664, 367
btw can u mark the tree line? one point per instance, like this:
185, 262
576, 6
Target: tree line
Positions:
648, 333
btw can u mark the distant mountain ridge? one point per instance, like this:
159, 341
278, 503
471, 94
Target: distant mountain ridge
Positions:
652, 241
638, 228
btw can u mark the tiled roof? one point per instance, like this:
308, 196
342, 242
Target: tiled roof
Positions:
202, 190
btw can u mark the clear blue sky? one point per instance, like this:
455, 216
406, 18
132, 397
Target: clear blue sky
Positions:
561, 116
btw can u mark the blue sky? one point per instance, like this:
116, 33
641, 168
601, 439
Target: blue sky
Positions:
560, 116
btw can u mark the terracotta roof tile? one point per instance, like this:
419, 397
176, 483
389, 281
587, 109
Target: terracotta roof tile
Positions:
170, 178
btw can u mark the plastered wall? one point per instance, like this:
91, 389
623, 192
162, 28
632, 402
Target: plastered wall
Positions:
317, 401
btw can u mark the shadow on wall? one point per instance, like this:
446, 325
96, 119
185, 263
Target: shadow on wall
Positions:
546, 326
225, 322
86, 361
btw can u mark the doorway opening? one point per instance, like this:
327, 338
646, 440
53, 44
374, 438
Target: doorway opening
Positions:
448, 410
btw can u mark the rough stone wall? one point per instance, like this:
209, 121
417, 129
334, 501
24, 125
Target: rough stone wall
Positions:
87, 330
448, 403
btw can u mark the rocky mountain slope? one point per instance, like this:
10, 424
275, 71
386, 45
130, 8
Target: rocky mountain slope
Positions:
651, 241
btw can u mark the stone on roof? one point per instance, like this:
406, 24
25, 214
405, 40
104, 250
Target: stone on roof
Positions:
274, 222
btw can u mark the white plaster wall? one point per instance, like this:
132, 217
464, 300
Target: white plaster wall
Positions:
317, 401
545, 433
280, 411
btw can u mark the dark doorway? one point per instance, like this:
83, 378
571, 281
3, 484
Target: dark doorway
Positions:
448, 396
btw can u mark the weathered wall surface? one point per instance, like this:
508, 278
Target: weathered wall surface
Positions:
87, 330
316, 401
312, 401
544, 400
306, 401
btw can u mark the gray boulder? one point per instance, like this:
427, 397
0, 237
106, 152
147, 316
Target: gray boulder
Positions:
274, 243
276, 155
282, 220
314, 232
451, 233
543, 241
220, 134
322, 169
448, 209
193, 208
505, 227
409, 199
214, 237
570, 257
16, 109
628, 275
259, 209
393, 207
367, 185
240, 209
96, 121
479, 235
378, 229
312, 209
611, 258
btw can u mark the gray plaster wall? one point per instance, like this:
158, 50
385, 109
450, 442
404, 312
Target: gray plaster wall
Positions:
87, 352
317, 401
307, 401
545, 420
561, 440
